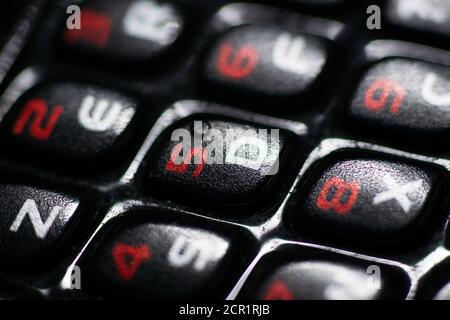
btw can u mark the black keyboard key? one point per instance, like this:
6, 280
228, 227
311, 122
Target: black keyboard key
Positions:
69, 123
266, 60
35, 224
371, 199
317, 281
232, 163
310, 277
131, 30
161, 261
423, 15
405, 96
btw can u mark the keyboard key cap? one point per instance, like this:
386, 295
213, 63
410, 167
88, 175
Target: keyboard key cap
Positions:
35, 224
323, 280
405, 96
370, 198
131, 30
423, 15
232, 163
162, 261
265, 60
69, 123
317, 280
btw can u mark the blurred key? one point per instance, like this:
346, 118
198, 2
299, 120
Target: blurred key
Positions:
406, 96
126, 30
423, 15
319, 279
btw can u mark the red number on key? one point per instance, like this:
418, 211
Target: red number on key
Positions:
37, 109
95, 29
128, 259
183, 166
377, 95
239, 66
338, 203
278, 291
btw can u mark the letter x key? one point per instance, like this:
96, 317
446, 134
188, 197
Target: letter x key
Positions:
397, 192
384, 199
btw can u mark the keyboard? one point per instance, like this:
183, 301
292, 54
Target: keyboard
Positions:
216, 150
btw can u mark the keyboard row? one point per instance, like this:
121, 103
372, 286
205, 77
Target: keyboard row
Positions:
138, 31
143, 254
278, 65
216, 162
74, 122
